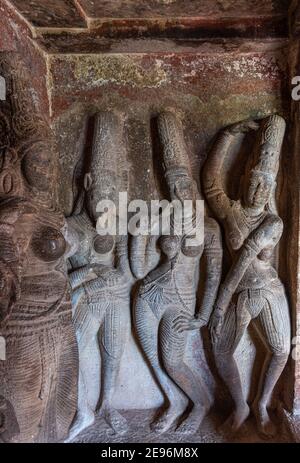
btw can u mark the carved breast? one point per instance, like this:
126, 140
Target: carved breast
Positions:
48, 244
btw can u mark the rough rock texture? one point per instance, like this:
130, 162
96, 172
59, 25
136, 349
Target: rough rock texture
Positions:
53, 13
140, 432
215, 62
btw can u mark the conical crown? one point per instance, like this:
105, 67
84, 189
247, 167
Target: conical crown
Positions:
271, 139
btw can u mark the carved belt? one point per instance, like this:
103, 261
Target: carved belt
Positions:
253, 300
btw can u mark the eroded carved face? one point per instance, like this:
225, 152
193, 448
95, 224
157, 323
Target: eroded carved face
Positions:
170, 245
184, 189
259, 190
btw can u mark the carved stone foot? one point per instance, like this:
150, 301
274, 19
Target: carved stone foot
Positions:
192, 423
167, 419
117, 423
266, 427
83, 420
236, 420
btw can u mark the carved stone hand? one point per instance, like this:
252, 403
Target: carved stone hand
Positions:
184, 322
76, 296
243, 127
216, 323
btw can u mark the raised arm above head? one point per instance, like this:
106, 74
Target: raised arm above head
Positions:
212, 170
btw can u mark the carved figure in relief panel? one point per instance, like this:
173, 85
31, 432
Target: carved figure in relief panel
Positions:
39, 373
166, 301
251, 291
101, 280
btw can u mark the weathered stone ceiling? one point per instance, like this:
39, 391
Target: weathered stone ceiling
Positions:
167, 18
68, 13
179, 8
139, 46
50, 13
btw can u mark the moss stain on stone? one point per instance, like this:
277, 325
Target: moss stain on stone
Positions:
116, 69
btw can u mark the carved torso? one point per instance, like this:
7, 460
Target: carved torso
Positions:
43, 290
238, 227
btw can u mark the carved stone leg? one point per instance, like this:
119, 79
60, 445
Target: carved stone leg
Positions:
38, 391
274, 325
113, 337
146, 325
66, 398
87, 328
235, 324
173, 349
26, 400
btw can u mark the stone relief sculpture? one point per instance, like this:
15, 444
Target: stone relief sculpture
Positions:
101, 280
38, 382
166, 301
251, 291
35, 307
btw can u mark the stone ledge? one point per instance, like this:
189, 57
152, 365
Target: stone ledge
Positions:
157, 18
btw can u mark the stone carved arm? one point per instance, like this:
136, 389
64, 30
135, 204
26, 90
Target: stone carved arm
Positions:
265, 236
212, 178
122, 256
93, 286
213, 254
9, 274
88, 288
78, 277
143, 255
11, 210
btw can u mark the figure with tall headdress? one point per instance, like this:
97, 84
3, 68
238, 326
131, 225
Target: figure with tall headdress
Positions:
166, 304
251, 291
101, 280
38, 377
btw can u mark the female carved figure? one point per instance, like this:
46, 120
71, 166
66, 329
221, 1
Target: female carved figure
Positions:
251, 291
165, 306
101, 281
39, 374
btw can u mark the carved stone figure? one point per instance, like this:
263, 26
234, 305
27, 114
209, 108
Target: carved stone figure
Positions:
251, 291
166, 302
101, 281
39, 373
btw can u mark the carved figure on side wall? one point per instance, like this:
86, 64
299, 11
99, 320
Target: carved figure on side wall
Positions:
101, 280
166, 301
251, 291
39, 372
